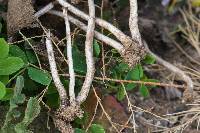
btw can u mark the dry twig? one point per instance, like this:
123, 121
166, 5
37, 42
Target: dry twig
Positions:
130, 81
188, 94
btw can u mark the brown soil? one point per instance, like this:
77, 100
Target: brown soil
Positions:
154, 24
20, 14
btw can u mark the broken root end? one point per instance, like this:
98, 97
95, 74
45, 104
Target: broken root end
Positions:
133, 54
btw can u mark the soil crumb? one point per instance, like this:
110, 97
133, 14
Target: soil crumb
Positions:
20, 15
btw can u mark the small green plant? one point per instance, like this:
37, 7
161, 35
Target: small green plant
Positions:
17, 63
123, 72
20, 64
14, 62
32, 111
15, 100
13, 65
8, 65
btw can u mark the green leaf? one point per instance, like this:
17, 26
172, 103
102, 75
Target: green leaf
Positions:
130, 86
31, 57
122, 67
114, 74
30, 86
149, 59
96, 128
4, 79
53, 100
144, 91
96, 48
2, 90
4, 48
135, 74
17, 98
79, 61
120, 93
17, 52
151, 80
65, 82
77, 130
39, 76
83, 120
10, 65
9, 94
32, 111
51, 89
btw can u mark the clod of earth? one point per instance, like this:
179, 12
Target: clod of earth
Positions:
20, 15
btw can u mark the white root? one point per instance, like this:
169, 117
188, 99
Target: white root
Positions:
54, 71
132, 50
70, 59
48, 9
116, 45
89, 55
133, 21
133, 25
44, 10
175, 70
124, 39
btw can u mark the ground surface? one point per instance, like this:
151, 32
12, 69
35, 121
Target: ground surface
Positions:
155, 26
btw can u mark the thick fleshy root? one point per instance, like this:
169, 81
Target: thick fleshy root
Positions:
64, 115
69, 113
